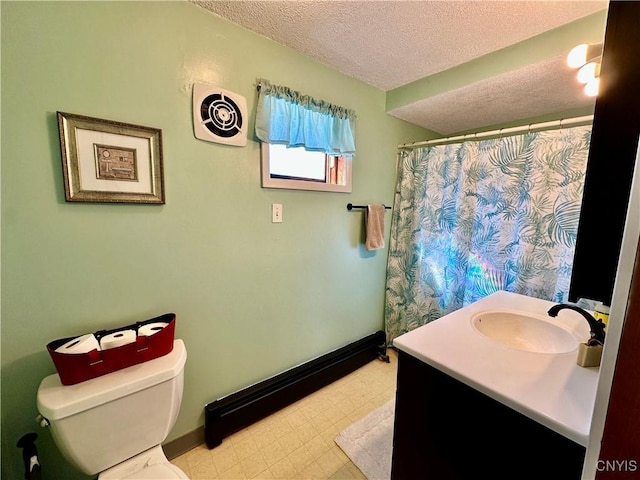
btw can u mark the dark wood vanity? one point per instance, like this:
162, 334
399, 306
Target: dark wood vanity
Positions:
473, 406
446, 430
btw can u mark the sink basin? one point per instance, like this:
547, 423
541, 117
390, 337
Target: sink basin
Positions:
524, 331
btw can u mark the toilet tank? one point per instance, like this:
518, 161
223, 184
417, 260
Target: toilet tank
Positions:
101, 422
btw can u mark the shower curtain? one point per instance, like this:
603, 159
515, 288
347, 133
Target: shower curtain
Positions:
476, 217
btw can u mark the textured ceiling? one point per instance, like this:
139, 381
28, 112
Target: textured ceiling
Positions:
388, 44
549, 87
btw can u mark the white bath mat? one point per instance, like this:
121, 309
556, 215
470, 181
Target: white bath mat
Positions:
369, 442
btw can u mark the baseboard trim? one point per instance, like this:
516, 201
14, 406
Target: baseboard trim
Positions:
239, 410
183, 444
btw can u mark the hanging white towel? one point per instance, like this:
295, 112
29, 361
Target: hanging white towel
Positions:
375, 227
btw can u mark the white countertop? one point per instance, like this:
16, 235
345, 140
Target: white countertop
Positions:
548, 388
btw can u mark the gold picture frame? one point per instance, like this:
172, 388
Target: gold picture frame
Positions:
110, 162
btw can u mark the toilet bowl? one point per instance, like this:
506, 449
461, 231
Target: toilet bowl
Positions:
114, 425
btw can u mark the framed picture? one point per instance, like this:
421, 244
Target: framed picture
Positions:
107, 161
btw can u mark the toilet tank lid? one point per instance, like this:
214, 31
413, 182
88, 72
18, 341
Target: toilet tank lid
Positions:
57, 401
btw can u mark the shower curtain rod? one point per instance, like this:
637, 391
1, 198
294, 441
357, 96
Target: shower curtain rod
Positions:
554, 124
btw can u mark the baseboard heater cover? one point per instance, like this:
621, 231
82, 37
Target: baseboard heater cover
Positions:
239, 410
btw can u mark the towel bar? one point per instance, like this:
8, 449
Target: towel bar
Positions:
351, 206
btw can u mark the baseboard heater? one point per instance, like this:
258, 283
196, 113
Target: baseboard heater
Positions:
239, 410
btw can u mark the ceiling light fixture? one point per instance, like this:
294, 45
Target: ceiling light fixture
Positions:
588, 72
591, 88
587, 59
583, 53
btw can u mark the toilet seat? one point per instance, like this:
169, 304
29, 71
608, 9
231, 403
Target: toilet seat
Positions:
149, 465
159, 471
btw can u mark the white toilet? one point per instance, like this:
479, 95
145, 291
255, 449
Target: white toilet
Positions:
114, 424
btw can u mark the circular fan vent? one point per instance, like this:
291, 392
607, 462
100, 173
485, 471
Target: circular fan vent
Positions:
221, 115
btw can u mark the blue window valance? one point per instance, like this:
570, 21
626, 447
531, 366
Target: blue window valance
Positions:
287, 117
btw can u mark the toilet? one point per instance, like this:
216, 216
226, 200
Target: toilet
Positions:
114, 425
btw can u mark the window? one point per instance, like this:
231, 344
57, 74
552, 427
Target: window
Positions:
307, 144
299, 169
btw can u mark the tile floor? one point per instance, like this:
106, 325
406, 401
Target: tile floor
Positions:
297, 443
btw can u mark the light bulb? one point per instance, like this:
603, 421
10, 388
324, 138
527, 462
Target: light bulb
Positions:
591, 88
577, 56
588, 72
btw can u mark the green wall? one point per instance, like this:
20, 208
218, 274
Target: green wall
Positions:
252, 298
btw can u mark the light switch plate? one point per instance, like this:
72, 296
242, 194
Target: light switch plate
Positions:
276, 213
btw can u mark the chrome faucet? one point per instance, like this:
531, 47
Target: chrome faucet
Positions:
597, 326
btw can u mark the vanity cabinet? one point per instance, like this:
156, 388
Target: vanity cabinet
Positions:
446, 430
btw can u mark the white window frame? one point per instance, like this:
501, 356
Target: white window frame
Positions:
270, 182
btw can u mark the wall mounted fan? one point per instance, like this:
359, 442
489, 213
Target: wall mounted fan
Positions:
219, 116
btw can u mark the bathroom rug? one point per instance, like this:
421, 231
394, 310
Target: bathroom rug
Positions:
369, 442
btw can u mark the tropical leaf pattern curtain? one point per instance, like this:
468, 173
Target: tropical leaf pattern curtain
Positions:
476, 217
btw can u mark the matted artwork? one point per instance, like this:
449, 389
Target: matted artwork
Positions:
108, 161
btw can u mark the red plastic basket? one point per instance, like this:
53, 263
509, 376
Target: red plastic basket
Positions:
78, 367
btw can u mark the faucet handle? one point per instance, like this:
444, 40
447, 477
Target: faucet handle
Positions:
597, 326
